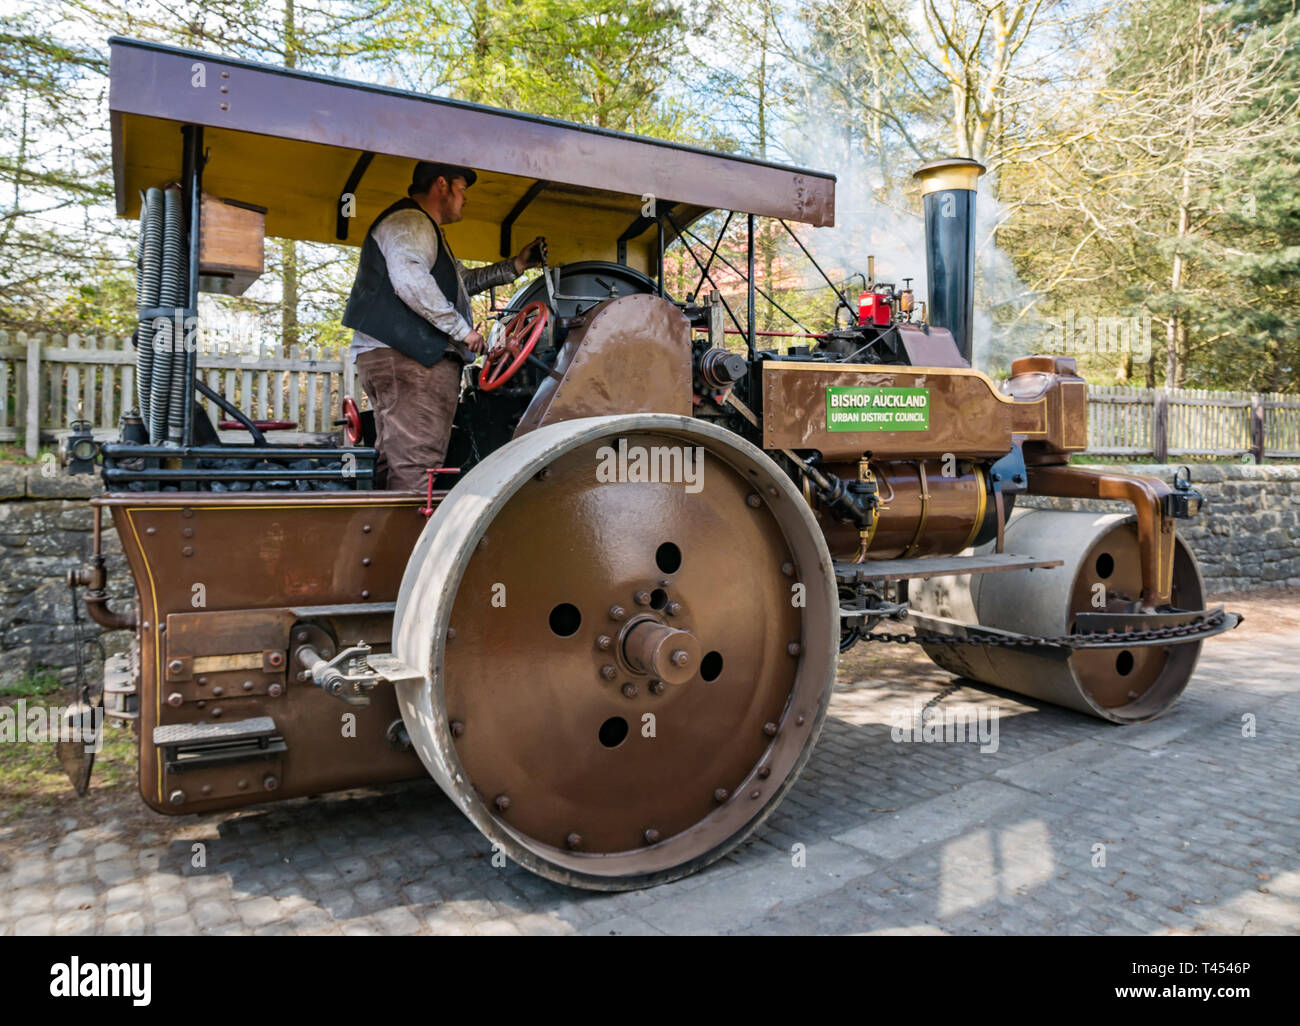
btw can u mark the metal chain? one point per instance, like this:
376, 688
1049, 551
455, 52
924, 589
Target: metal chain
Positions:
1071, 641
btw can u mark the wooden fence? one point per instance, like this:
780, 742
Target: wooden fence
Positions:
81, 377
1169, 423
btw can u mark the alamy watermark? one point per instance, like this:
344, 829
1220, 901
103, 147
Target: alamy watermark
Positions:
654, 464
47, 724
953, 723
1083, 334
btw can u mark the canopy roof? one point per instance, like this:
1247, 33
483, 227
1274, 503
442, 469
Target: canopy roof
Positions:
293, 142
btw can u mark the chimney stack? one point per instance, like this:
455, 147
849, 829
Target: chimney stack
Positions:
948, 191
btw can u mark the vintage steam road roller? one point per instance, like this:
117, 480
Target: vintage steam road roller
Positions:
609, 627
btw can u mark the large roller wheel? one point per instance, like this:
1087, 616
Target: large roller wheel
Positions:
621, 678
1100, 554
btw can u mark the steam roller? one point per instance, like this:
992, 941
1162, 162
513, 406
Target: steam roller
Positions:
619, 679
608, 623
1123, 680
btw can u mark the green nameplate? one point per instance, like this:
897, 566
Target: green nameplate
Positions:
877, 409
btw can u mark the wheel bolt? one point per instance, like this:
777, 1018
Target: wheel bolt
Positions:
799, 720
269, 783
457, 728
608, 672
754, 500
720, 795
275, 658
630, 690
787, 569
673, 608
603, 642
502, 802
175, 699
642, 598
794, 648
755, 793
175, 666
658, 687
574, 841
451, 633
765, 772
651, 836
769, 729
680, 657
177, 797
617, 612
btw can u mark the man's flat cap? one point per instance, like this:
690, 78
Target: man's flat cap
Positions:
427, 170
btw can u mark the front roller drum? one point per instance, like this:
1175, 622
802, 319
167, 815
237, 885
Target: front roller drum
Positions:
1101, 572
628, 630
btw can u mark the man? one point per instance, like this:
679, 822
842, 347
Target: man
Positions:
411, 320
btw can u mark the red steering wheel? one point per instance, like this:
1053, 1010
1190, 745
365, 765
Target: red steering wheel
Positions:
351, 421
521, 335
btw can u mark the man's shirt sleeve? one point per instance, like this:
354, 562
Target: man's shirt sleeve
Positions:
477, 279
410, 247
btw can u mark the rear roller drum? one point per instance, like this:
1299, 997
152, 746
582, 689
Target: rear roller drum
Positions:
1101, 572
623, 675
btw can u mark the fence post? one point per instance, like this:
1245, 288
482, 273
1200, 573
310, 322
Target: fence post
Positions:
34, 394
1160, 427
1257, 427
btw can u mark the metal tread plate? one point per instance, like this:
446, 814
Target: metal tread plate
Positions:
202, 733
937, 566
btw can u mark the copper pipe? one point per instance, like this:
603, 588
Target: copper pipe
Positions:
96, 578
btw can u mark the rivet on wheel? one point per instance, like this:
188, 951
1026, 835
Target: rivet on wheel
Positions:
771, 490
574, 841
799, 720
673, 608
604, 642
642, 598
769, 729
794, 648
765, 772
457, 728
630, 690
754, 500
451, 633
658, 687
787, 569
617, 612
502, 802
608, 672
544, 473
755, 793
365, 528
721, 795
651, 836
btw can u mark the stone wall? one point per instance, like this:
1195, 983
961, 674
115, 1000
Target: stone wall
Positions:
1247, 534
45, 531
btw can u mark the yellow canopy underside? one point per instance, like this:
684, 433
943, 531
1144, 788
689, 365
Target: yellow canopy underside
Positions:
300, 183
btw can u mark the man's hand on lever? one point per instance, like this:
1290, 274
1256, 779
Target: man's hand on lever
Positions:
475, 342
532, 255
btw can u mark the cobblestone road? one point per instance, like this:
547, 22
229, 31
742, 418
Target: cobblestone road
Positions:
1198, 824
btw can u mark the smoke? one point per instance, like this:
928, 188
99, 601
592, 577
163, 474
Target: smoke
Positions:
1006, 321
872, 215
876, 216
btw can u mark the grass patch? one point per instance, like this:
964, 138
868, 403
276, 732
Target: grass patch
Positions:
16, 452
31, 778
43, 682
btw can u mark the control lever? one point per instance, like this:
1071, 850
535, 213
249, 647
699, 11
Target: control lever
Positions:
347, 677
